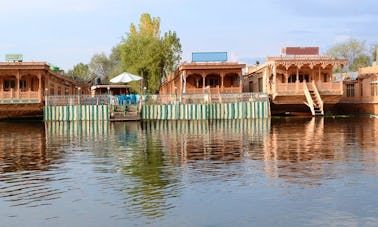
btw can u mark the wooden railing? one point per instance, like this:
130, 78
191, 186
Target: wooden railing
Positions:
289, 88
214, 90
330, 87
297, 88
22, 95
204, 98
372, 99
319, 99
29, 95
310, 102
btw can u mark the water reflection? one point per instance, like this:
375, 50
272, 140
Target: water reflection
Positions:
158, 170
209, 140
303, 150
26, 166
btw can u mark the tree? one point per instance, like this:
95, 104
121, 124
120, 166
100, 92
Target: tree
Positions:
79, 72
373, 51
351, 50
361, 61
99, 67
145, 53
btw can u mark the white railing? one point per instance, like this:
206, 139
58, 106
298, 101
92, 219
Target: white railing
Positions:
70, 100
204, 98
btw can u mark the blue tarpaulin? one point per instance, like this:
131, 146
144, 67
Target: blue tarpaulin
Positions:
209, 56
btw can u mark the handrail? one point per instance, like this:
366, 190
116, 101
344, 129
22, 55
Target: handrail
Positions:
310, 102
319, 99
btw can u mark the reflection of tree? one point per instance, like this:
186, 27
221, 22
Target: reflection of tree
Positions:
152, 182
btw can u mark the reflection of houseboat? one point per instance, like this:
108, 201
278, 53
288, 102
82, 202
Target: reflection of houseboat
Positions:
298, 80
23, 86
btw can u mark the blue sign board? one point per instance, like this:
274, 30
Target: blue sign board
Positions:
209, 56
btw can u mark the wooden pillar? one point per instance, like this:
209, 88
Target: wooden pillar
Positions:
240, 82
274, 79
17, 84
1, 88
203, 82
222, 81
184, 82
40, 88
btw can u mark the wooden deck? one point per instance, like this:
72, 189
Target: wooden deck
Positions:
120, 114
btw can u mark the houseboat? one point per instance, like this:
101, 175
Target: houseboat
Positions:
297, 81
209, 72
361, 94
24, 85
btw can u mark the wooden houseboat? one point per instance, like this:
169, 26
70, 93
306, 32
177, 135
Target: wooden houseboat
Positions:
361, 94
300, 80
24, 85
205, 75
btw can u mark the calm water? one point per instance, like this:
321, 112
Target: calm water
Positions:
278, 172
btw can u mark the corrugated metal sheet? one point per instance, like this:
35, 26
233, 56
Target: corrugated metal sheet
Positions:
209, 56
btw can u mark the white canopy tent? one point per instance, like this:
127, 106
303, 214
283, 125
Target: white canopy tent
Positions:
125, 77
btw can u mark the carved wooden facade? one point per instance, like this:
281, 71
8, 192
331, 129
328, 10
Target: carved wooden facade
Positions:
23, 86
361, 94
199, 78
297, 80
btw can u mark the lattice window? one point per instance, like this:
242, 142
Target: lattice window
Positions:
350, 90
374, 89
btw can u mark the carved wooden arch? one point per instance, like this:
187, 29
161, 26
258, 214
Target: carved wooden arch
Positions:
192, 79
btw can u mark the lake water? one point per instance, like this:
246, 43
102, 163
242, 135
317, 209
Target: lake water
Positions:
274, 172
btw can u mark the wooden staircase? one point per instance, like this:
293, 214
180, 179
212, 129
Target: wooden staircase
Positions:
125, 113
314, 101
317, 109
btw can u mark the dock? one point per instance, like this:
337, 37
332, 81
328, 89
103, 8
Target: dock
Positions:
158, 107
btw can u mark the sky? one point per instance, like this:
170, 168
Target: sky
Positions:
67, 32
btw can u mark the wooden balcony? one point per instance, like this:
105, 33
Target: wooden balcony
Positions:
328, 88
15, 97
214, 90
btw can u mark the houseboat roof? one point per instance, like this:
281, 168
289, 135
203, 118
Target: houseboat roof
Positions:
24, 65
210, 65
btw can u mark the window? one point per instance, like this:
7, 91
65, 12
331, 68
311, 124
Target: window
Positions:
325, 77
200, 83
350, 90
22, 85
292, 78
213, 82
260, 85
250, 86
307, 78
9, 84
301, 78
374, 89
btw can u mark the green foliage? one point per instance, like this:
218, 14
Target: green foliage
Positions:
373, 51
80, 72
142, 52
145, 53
354, 51
361, 61
100, 66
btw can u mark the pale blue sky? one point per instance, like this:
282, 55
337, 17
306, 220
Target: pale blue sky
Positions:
67, 32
